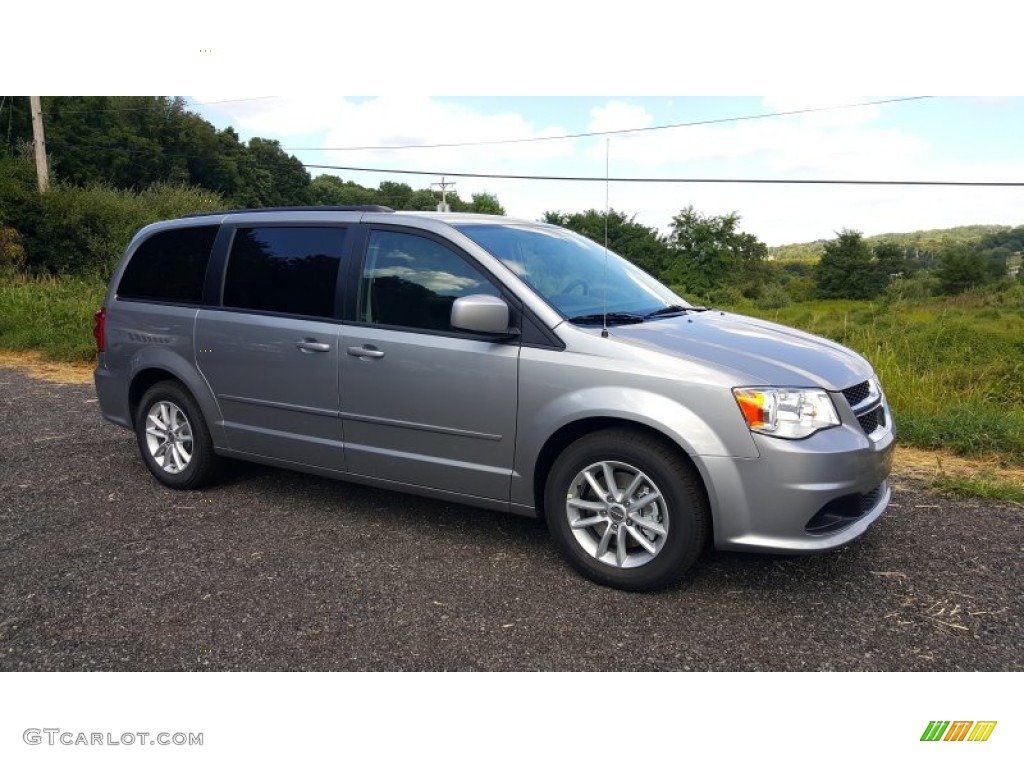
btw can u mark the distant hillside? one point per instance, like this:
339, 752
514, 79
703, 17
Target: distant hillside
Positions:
925, 240
797, 251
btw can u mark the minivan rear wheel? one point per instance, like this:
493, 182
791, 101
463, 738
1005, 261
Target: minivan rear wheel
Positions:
173, 438
626, 510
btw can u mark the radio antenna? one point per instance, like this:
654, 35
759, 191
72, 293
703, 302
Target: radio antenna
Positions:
604, 280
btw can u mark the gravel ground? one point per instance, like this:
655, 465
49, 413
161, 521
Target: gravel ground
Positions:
103, 568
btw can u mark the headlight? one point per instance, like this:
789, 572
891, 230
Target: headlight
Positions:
789, 413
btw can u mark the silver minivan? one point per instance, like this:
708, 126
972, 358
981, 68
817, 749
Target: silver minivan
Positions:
500, 363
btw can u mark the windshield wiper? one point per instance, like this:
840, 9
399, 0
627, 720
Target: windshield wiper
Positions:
674, 309
671, 309
598, 318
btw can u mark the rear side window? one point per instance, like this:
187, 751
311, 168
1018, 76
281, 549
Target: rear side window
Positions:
169, 266
284, 269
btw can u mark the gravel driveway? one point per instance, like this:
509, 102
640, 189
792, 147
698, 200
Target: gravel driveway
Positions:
103, 568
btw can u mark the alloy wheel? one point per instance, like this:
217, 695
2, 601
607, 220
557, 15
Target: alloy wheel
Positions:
169, 436
617, 514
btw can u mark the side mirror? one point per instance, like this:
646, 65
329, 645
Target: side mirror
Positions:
481, 314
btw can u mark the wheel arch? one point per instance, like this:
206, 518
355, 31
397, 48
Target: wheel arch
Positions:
141, 383
148, 371
569, 433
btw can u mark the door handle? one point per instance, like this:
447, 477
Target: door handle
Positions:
309, 345
366, 351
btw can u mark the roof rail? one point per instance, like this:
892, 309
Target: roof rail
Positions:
364, 208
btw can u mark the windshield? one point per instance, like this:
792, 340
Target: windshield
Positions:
572, 273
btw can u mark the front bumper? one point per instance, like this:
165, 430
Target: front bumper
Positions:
807, 496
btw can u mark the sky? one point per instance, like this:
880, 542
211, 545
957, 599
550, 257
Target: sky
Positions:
928, 139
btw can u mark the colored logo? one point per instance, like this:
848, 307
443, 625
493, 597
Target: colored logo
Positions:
958, 730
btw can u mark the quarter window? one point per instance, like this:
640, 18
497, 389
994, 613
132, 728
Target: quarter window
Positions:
293, 270
412, 282
169, 266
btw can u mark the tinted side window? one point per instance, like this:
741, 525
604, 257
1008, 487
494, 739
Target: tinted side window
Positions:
284, 269
169, 266
412, 281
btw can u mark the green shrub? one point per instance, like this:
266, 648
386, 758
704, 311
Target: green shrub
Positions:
12, 251
84, 230
773, 296
920, 286
802, 289
726, 296
961, 269
1012, 297
17, 179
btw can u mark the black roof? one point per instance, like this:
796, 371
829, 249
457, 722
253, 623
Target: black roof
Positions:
364, 208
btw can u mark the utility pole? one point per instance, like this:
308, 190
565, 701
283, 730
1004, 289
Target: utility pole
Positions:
443, 205
39, 142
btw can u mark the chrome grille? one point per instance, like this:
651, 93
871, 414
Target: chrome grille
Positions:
857, 393
869, 421
868, 407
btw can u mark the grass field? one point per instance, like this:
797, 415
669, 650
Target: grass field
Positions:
51, 315
952, 368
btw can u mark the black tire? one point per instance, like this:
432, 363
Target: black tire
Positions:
674, 524
191, 436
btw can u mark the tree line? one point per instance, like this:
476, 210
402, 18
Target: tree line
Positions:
709, 258
134, 142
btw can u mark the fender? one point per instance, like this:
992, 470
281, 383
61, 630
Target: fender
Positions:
668, 416
186, 371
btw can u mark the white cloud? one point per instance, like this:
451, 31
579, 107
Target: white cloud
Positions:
396, 121
618, 116
404, 120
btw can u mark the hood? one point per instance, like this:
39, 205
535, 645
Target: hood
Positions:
760, 352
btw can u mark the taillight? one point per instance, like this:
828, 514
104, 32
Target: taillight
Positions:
99, 329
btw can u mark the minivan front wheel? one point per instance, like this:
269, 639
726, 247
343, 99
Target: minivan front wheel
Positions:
626, 510
173, 438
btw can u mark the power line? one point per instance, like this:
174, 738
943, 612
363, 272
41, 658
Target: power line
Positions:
616, 132
662, 180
